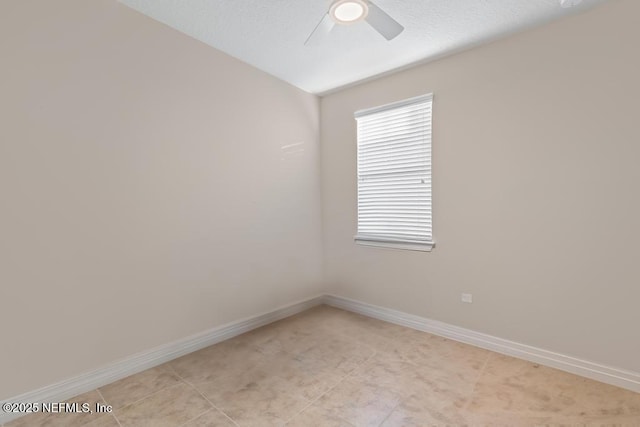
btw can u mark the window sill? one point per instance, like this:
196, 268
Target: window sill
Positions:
395, 244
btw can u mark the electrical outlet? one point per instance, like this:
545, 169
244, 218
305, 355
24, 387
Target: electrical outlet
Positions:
468, 298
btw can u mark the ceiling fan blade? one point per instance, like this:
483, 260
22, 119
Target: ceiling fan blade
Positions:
323, 28
383, 23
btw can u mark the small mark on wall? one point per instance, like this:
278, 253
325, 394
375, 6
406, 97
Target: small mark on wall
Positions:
291, 151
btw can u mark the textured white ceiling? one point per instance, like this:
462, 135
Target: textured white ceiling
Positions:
270, 34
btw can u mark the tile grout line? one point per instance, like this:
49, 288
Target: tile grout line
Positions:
257, 364
113, 413
147, 396
318, 398
260, 348
402, 398
351, 373
166, 388
211, 403
116, 418
342, 378
202, 395
475, 384
390, 412
196, 417
348, 374
184, 381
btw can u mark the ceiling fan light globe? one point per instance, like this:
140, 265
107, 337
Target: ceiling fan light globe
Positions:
348, 11
569, 3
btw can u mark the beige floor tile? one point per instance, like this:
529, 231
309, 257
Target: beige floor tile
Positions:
360, 402
508, 420
300, 333
427, 395
340, 354
285, 338
258, 377
602, 400
170, 407
135, 387
106, 421
292, 335
371, 332
258, 407
427, 409
512, 386
226, 358
304, 376
43, 419
212, 418
328, 367
317, 417
256, 397
320, 317
334, 322
393, 374
409, 380
633, 421
462, 363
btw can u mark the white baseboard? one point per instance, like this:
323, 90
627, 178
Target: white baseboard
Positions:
606, 374
139, 362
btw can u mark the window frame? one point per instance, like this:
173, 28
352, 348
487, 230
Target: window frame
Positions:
397, 242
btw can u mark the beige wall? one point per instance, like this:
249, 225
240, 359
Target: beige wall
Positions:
536, 200
144, 191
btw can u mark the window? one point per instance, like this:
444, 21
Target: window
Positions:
394, 175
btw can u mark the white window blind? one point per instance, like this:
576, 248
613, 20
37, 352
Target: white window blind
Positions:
394, 175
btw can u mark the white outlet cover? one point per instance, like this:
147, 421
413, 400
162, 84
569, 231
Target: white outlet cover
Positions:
468, 298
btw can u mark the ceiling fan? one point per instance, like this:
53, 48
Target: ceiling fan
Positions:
345, 12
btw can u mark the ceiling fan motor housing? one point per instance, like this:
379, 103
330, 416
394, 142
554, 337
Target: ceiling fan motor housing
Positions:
348, 11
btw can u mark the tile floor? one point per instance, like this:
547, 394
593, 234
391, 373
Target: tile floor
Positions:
328, 367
